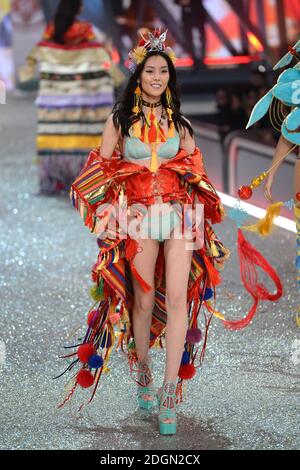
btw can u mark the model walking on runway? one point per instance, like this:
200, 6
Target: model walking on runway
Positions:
156, 274
283, 104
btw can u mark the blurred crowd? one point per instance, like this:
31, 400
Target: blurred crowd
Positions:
234, 106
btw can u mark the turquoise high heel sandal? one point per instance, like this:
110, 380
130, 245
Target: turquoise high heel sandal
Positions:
166, 398
145, 391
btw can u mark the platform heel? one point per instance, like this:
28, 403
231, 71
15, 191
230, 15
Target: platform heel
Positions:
166, 398
145, 390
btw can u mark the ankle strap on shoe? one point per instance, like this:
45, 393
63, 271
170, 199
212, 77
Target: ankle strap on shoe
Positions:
169, 388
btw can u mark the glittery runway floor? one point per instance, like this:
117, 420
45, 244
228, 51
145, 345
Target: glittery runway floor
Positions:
246, 394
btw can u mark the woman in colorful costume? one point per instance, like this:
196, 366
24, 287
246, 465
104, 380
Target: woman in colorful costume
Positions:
283, 104
157, 280
76, 93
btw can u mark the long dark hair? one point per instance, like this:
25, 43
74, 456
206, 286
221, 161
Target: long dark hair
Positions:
65, 15
123, 116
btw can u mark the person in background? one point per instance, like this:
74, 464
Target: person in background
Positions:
194, 17
262, 128
75, 97
238, 113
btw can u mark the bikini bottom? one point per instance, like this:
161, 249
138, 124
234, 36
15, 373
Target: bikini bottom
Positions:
158, 225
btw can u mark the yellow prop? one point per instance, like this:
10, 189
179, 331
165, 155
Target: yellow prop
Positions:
265, 225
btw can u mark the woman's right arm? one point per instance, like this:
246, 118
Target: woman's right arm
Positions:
282, 148
110, 138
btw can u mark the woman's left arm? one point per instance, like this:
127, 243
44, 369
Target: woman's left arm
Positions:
27, 72
187, 142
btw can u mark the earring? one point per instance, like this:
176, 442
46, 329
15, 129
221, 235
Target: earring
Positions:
169, 97
137, 109
169, 103
137, 99
169, 100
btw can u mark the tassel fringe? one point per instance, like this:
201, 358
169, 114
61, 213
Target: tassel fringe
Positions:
249, 258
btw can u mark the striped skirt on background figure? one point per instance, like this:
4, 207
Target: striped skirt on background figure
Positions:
73, 104
75, 98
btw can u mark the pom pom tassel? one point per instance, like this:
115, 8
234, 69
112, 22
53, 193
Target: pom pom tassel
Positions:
187, 371
249, 257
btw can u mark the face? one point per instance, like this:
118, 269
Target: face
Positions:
154, 78
222, 98
252, 97
257, 79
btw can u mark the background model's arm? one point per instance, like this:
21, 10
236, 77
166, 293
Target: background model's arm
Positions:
28, 71
282, 148
110, 139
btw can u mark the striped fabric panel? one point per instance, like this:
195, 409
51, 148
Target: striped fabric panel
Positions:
71, 128
160, 303
117, 277
46, 67
62, 153
67, 142
159, 318
95, 99
93, 178
114, 270
69, 47
75, 87
71, 75
197, 266
105, 244
60, 56
94, 114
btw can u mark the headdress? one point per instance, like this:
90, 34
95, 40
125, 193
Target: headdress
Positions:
282, 101
155, 42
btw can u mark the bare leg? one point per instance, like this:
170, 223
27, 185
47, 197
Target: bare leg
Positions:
178, 263
143, 301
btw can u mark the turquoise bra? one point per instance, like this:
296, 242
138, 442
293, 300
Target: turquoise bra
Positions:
135, 149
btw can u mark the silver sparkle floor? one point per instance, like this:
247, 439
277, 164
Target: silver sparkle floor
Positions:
246, 395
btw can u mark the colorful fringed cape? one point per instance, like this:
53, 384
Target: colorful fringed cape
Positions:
101, 185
